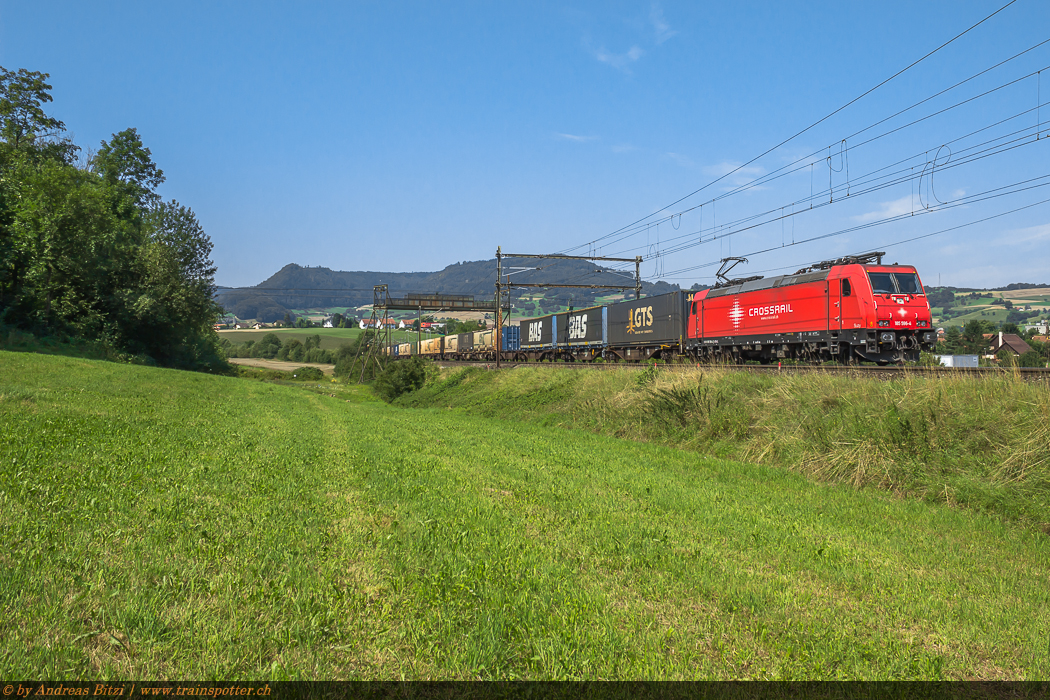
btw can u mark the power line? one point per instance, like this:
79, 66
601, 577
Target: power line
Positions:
799, 133
908, 240
962, 201
788, 169
868, 181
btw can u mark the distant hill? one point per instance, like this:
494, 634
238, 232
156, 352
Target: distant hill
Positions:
321, 287
1015, 286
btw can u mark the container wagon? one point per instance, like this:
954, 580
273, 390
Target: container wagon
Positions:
538, 338
433, 347
582, 333
649, 328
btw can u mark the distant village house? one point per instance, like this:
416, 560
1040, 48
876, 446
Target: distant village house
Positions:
1011, 342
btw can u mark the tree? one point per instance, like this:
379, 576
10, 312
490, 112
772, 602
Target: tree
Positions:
174, 307
28, 138
401, 377
128, 165
69, 253
268, 347
953, 340
92, 252
973, 335
292, 350
22, 118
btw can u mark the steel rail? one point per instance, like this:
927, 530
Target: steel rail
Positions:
1023, 373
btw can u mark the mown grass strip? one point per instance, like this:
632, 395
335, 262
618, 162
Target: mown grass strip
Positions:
978, 442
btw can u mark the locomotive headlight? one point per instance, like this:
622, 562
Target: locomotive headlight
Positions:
883, 324
886, 337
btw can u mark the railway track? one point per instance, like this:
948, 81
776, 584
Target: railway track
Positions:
1028, 374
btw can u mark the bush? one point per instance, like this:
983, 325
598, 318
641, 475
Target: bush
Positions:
268, 347
401, 377
310, 374
350, 357
1031, 359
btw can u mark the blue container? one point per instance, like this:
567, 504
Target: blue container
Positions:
511, 337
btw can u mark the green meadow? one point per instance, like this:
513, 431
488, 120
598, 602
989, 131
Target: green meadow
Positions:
169, 525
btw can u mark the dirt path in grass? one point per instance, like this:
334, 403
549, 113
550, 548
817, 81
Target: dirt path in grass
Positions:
281, 365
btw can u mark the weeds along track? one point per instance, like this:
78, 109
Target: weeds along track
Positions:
1027, 374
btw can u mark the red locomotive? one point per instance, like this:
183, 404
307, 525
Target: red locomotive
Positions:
850, 309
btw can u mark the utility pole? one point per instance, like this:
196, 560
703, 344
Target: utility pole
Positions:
637, 260
497, 337
637, 277
380, 302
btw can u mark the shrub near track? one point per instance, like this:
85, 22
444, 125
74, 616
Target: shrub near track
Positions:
979, 442
162, 524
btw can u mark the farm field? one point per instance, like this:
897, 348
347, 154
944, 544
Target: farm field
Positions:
331, 338
159, 524
982, 308
1039, 296
995, 314
281, 364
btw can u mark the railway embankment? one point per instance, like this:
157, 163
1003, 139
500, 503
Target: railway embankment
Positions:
977, 442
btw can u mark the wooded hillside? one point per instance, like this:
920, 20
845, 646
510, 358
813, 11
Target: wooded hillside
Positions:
339, 288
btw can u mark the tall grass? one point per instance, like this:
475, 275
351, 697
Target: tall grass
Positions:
979, 442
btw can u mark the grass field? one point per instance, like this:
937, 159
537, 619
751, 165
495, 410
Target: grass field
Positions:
158, 524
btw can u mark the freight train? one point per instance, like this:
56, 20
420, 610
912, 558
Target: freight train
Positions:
847, 310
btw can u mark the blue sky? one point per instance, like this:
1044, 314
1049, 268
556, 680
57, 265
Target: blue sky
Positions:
408, 136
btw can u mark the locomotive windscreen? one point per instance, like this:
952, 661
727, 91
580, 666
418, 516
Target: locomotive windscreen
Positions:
895, 283
908, 282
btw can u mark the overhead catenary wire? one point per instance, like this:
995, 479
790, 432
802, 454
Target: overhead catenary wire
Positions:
805, 161
800, 265
1006, 142
802, 131
963, 201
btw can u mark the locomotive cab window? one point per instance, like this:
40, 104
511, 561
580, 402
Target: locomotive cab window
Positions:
895, 283
846, 289
908, 282
882, 283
